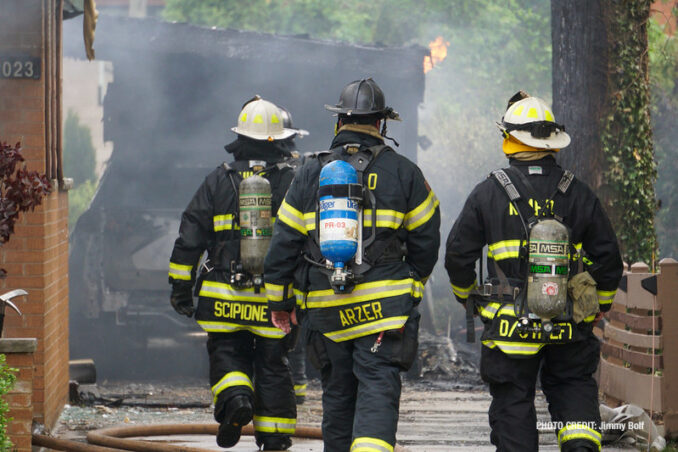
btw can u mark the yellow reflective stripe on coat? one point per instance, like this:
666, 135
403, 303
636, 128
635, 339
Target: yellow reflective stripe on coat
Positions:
577, 248
606, 296
365, 292
292, 217
367, 444
514, 348
300, 390
463, 292
270, 332
385, 218
422, 213
276, 292
505, 249
224, 223
223, 291
229, 380
309, 221
178, 271
389, 323
488, 311
300, 296
274, 424
579, 430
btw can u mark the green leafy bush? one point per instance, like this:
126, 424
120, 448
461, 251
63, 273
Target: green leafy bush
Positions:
7, 379
80, 164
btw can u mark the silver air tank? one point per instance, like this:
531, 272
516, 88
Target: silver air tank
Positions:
548, 269
255, 225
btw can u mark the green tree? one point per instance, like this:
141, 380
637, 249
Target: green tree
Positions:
79, 163
79, 157
601, 83
663, 76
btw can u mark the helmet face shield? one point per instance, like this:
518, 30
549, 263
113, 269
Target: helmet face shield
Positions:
538, 129
530, 120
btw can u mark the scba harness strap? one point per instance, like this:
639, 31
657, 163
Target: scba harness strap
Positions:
371, 251
221, 256
528, 218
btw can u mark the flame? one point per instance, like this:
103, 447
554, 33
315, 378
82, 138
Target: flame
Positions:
438, 53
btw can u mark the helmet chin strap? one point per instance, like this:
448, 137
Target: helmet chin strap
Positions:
383, 134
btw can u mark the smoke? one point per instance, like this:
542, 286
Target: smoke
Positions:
177, 90
491, 55
176, 93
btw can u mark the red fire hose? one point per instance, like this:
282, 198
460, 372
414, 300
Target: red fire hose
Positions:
114, 439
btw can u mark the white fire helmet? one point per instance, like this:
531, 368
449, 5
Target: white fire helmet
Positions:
261, 120
531, 121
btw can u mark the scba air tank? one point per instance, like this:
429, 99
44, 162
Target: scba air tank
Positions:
548, 270
255, 223
338, 213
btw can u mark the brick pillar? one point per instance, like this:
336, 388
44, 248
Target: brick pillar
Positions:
19, 354
36, 257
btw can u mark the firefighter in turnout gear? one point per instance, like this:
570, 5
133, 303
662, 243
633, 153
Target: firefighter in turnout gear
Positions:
546, 234
230, 217
362, 313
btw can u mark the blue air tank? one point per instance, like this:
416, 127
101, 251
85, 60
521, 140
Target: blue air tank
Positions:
338, 221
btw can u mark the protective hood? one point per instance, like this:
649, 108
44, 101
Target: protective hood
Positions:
244, 148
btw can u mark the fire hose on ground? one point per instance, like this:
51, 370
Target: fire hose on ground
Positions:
115, 439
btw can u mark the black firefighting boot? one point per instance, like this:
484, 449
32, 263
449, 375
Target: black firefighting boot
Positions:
238, 412
282, 442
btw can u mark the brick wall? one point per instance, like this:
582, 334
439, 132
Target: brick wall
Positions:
21, 357
36, 257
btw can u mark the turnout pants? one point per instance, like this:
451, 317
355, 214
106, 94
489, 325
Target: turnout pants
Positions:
361, 396
243, 363
297, 359
570, 390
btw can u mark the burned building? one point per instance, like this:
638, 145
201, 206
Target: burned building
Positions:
176, 92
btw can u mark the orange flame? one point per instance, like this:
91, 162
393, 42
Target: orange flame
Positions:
438, 53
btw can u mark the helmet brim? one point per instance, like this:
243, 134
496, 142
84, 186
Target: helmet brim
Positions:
350, 111
387, 113
557, 140
286, 133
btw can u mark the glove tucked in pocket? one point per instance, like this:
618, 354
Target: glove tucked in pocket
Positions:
582, 290
406, 342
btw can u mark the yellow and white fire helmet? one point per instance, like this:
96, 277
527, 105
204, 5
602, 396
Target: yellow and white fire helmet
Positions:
530, 120
262, 120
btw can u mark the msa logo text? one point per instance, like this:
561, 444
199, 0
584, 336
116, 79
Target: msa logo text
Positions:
548, 248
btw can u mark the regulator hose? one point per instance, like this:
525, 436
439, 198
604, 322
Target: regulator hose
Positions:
114, 439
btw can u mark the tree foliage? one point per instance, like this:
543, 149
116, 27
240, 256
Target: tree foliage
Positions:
79, 163
664, 89
627, 133
7, 379
79, 155
20, 190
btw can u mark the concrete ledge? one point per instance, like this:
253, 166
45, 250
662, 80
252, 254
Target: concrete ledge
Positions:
18, 345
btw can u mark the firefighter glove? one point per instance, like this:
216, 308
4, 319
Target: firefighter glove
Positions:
582, 290
182, 299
